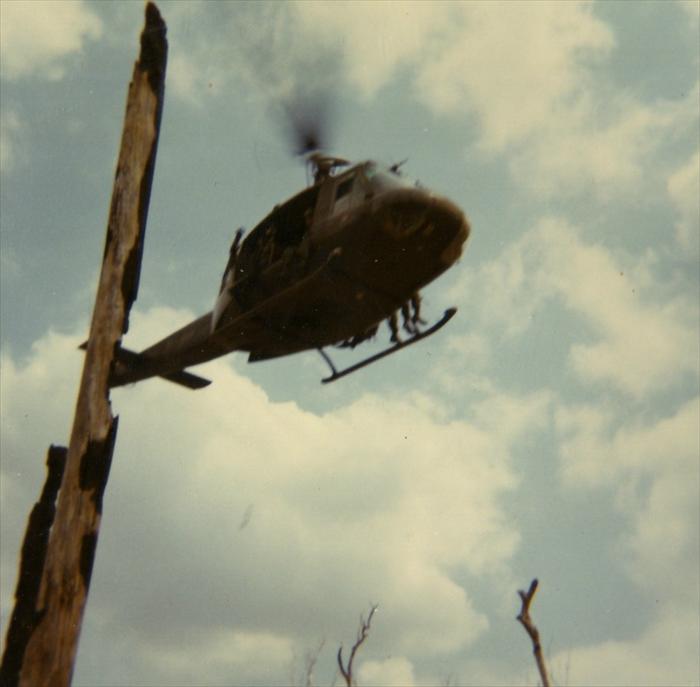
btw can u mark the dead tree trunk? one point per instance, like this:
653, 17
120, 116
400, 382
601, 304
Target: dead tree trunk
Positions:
47, 655
36, 537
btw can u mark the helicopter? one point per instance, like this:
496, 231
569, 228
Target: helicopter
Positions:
324, 268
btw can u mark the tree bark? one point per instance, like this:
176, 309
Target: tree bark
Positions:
24, 617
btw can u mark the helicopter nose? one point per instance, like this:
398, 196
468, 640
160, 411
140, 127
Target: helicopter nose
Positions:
453, 228
419, 214
423, 235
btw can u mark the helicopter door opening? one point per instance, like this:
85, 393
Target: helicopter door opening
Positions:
293, 218
344, 194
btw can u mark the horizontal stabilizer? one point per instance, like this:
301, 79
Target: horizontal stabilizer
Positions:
187, 379
130, 361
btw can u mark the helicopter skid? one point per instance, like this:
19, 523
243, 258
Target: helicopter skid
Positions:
449, 314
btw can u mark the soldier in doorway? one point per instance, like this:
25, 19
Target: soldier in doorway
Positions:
393, 322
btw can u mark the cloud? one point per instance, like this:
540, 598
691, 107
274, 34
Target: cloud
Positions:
487, 58
183, 79
691, 8
219, 48
227, 654
684, 191
530, 75
673, 636
374, 39
10, 132
527, 72
306, 46
29, 426
512, 416
383, 500
631, 338
653, 468
391, 671
462, 365
35, 36
576, 150
505, 58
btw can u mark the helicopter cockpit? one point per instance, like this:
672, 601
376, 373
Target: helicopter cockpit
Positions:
340, 193
385, 178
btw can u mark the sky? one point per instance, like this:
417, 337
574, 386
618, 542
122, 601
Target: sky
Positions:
551, 430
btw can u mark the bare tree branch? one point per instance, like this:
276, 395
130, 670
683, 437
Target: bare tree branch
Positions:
310, 660
532, 631
346, 671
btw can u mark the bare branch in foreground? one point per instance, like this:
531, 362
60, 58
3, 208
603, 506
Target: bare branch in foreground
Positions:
531, 629
310, 663
346, 671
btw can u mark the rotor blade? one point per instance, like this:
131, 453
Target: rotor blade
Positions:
308, 117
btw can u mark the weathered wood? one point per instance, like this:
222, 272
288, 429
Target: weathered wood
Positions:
36, 537
52, 646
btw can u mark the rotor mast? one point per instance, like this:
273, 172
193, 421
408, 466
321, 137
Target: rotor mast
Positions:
323, 166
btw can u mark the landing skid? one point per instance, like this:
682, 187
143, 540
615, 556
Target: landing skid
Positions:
449, 313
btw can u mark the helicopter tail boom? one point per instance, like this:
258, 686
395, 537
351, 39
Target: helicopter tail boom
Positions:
168, 358
130, 361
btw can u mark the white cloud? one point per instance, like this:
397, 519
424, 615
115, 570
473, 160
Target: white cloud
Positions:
36, 35
512, 416
691, 7
575, 150
527, 72
396, 671
228, 655
495, 59
227, 51
644, 345
684, 190
381, 500
513, 64
654, 470
10, 130
524, 70
665, 654
27, 431
200, 60
375, 39
461, 366
182, 78
641, 344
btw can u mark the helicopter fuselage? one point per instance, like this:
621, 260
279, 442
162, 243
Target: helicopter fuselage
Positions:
327, 265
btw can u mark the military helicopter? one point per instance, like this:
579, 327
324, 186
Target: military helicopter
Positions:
324, 268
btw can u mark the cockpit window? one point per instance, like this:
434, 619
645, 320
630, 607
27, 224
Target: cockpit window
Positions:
382, 178
370, 170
